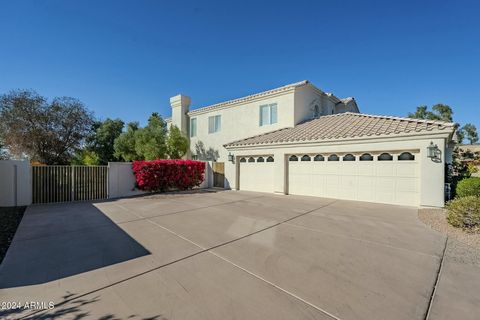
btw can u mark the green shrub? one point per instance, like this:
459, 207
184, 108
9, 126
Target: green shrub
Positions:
464, 212
468, 187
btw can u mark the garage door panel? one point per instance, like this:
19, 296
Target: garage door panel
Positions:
385, 169
405, 169
257, 176
389, 181
407, 185
367, 190
365, 169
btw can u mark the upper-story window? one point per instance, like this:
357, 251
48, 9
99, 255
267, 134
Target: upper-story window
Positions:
214, 124
193, 127
268, 114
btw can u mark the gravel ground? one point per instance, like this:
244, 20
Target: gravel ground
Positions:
435, 218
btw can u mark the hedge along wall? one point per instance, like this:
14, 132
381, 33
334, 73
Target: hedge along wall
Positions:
162, 175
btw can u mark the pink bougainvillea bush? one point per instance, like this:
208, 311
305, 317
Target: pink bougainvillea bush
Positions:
163, 175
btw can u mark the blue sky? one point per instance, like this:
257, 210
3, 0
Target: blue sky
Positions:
126, 58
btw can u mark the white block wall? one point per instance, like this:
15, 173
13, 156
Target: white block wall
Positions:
15, 183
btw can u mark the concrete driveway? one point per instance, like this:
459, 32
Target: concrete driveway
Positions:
222, 255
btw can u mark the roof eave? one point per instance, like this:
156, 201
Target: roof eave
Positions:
445, 133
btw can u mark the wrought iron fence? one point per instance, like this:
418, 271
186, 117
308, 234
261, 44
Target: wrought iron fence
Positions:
69, 183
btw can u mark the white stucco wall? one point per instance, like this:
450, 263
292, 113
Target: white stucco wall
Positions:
431, 173
306, 98
121, 180
239, 122
15, 183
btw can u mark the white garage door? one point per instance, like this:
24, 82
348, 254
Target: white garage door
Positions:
385, 177
256, 173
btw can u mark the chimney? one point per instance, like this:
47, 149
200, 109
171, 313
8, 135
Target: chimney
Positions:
180, 106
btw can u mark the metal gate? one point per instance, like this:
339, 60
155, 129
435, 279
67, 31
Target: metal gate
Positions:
69, 183
218, 169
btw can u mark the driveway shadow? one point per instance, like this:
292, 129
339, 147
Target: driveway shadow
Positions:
58, 241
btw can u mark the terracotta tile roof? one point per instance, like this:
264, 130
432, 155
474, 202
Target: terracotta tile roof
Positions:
250, 97
345, 125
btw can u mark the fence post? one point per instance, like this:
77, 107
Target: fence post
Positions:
72, 168
108, 180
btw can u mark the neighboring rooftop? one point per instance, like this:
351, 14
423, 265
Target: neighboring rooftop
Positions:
259, 95
345, 125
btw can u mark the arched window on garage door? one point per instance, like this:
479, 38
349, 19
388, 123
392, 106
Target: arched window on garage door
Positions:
366, 157
349, 157
243, 160
319, 157
333, 157
385, 157
306, 158
251, 159
293, 158
260, 159
270, 159
406, 156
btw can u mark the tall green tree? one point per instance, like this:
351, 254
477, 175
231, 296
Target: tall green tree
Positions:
439, 111
420, 113
150, 142
86, 157
177, 143
102, 138
470, 132
442, 112
48, 132
124, 144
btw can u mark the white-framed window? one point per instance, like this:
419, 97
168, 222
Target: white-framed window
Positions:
268, 114
193, 127
214, 124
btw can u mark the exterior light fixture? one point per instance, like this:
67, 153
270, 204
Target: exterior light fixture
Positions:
432, 151
230, 157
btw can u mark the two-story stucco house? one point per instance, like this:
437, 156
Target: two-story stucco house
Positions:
299, 140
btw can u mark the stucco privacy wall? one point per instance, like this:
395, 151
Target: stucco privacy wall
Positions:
121, 180
15, 183
431, 172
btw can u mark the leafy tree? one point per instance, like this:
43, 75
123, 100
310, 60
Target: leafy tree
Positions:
470, 133
101, 140
420, 113
442, 112
460, 134
177, 143
439, 111
150, 142
124, 144
48, 132
87, 158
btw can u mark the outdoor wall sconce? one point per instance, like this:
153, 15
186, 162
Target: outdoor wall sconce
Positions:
432, 151
230, 157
